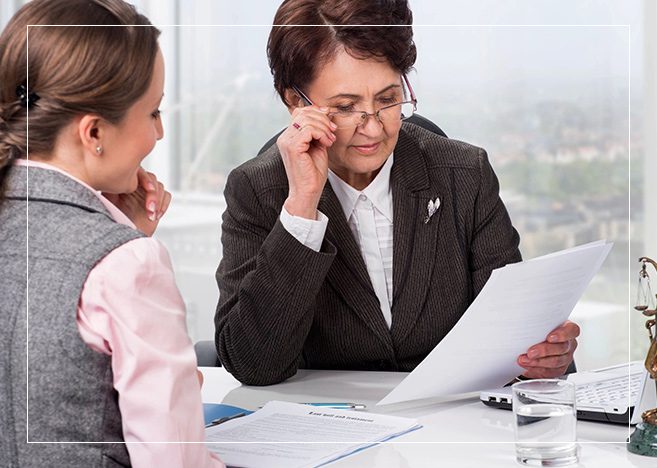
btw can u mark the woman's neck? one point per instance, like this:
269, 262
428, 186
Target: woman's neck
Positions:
68, 162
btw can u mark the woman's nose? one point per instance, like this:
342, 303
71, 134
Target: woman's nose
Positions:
372, 125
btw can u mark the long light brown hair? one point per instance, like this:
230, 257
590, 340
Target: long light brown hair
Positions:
73, 69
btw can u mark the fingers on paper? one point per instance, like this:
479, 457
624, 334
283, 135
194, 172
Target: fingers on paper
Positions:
564, 332
550, 362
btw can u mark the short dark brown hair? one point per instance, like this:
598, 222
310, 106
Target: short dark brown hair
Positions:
74, 70
296, 52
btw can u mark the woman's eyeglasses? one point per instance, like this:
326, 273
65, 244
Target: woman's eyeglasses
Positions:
355, 118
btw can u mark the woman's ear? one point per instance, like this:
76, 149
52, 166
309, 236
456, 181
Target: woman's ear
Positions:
293, 100
91, 130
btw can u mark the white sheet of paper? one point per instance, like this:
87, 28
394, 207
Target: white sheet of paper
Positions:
292, 435
519, 305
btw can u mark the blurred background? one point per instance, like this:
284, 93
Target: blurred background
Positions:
561, 93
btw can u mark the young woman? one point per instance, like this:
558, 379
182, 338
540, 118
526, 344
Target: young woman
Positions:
90, 317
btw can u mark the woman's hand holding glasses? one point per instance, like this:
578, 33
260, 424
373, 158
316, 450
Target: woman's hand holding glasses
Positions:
304, 149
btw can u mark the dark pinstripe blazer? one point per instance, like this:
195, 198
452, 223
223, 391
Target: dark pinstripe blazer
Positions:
284, 306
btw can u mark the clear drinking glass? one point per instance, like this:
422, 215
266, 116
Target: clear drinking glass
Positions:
545, 420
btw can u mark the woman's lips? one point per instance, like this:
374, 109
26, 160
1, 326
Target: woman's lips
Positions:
367, 149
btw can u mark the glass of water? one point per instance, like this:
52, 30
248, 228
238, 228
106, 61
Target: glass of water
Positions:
545, 419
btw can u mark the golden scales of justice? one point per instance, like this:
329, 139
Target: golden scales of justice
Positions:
644, 439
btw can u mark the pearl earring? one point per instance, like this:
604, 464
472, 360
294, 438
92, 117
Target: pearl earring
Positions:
99, 149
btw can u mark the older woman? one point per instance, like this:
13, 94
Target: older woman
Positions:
358, 240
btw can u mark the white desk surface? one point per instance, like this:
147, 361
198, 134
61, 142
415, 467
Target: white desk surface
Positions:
456, 433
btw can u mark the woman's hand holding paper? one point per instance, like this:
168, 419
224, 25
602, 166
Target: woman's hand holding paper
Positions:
551, 357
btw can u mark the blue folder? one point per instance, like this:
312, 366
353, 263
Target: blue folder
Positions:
216, 413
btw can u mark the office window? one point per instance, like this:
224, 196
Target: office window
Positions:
549, 103
543, 86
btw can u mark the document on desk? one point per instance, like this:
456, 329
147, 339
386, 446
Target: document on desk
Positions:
519, 305
293, 435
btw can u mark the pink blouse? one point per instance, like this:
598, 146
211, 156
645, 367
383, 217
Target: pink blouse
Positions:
130, 309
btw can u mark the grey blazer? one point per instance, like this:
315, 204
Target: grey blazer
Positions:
284, 306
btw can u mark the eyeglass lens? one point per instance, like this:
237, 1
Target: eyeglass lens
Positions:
399, 111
